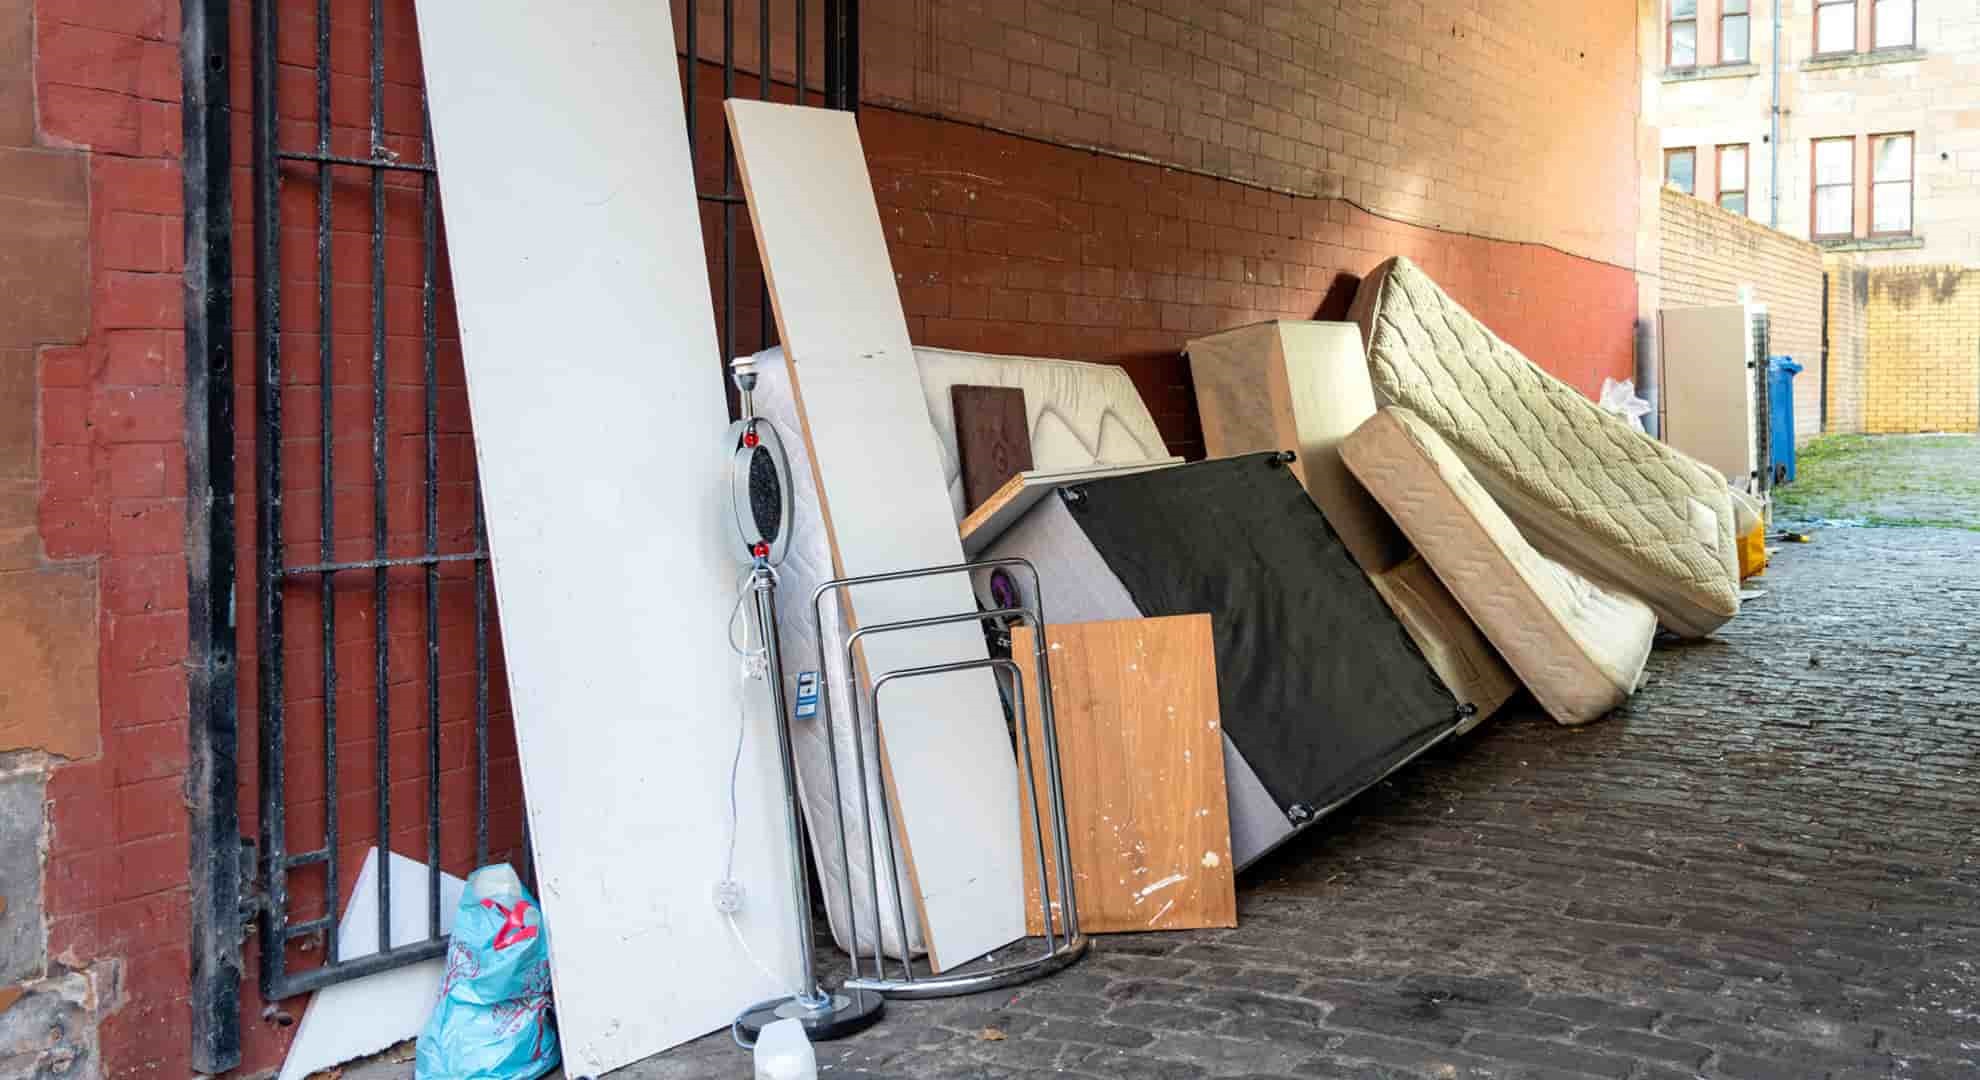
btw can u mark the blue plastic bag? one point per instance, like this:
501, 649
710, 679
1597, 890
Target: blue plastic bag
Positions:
493, 1019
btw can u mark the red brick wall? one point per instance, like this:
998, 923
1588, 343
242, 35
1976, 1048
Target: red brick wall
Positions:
1009, 244
113, 493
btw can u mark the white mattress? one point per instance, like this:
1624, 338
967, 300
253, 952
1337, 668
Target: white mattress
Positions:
1578, 646
1078, 415
1587, 489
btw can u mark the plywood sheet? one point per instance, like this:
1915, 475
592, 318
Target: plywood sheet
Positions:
1142, 755
592, 371
993, 443
1705, 389
1022, 491
947, 757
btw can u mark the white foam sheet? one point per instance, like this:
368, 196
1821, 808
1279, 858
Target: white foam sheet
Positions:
598, 409
951, 769
349, 1020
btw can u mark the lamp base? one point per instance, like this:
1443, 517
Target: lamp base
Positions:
842, 1013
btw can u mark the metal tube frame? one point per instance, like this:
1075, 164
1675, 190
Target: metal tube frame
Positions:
1061, 948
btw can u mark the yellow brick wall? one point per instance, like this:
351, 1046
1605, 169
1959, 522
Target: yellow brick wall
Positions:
1923, 367
1709, 253
1849, 300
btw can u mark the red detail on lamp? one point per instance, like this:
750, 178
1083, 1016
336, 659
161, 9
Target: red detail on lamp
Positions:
761, 550
749, 439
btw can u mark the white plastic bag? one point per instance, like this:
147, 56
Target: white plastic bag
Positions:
1620, 398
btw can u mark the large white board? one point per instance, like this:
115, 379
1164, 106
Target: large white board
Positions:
593, 380
949, 763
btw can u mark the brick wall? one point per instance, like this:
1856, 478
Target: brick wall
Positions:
1922, 371
79, 476
1849, 303
112, 496
1708, 253
1474, 120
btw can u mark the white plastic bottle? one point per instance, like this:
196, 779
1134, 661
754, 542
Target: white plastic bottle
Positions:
783, 1053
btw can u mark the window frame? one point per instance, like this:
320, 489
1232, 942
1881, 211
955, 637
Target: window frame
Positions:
1815, 42
1671, 22
1910, 182
1911, 44
1726, 17
1745, 190
1815, 187
1670, 152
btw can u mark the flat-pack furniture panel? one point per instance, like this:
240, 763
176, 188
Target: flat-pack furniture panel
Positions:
1705, 388
594, 383
1142, 754
950, 770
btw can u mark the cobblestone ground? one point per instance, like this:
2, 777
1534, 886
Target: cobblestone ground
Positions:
1763, 866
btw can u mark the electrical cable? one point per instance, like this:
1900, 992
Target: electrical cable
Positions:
755, 665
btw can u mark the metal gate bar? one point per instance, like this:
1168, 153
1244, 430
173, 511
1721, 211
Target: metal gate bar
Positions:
324, 164
274, 577
839, 28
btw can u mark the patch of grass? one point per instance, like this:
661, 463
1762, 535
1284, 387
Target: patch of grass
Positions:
1898, 480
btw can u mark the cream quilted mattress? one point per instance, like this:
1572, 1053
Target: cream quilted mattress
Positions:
1578, 646
1078, 415
1589, 491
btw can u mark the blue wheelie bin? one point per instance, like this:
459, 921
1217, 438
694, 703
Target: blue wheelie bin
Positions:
1781, 371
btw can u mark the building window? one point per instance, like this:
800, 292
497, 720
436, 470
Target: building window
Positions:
1835, 188
1893, 24
1890, 185
1732, 178
1734, 33
1835, 26
1681, 45
1681, 169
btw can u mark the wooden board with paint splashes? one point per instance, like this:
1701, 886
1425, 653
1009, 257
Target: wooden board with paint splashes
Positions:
1142, 759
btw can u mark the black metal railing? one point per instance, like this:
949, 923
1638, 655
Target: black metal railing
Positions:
440, 567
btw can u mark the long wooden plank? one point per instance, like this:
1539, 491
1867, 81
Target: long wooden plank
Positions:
593, 382
950, 769
1135, 705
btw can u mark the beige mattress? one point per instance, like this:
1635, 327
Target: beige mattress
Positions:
1586, 488
1578, 646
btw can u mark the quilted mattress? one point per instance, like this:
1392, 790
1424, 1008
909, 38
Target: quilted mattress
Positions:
1321, 691
1079, 415
1587, 489
1579, 647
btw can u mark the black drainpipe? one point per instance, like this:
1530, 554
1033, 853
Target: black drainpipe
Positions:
1827, 284
212, 776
